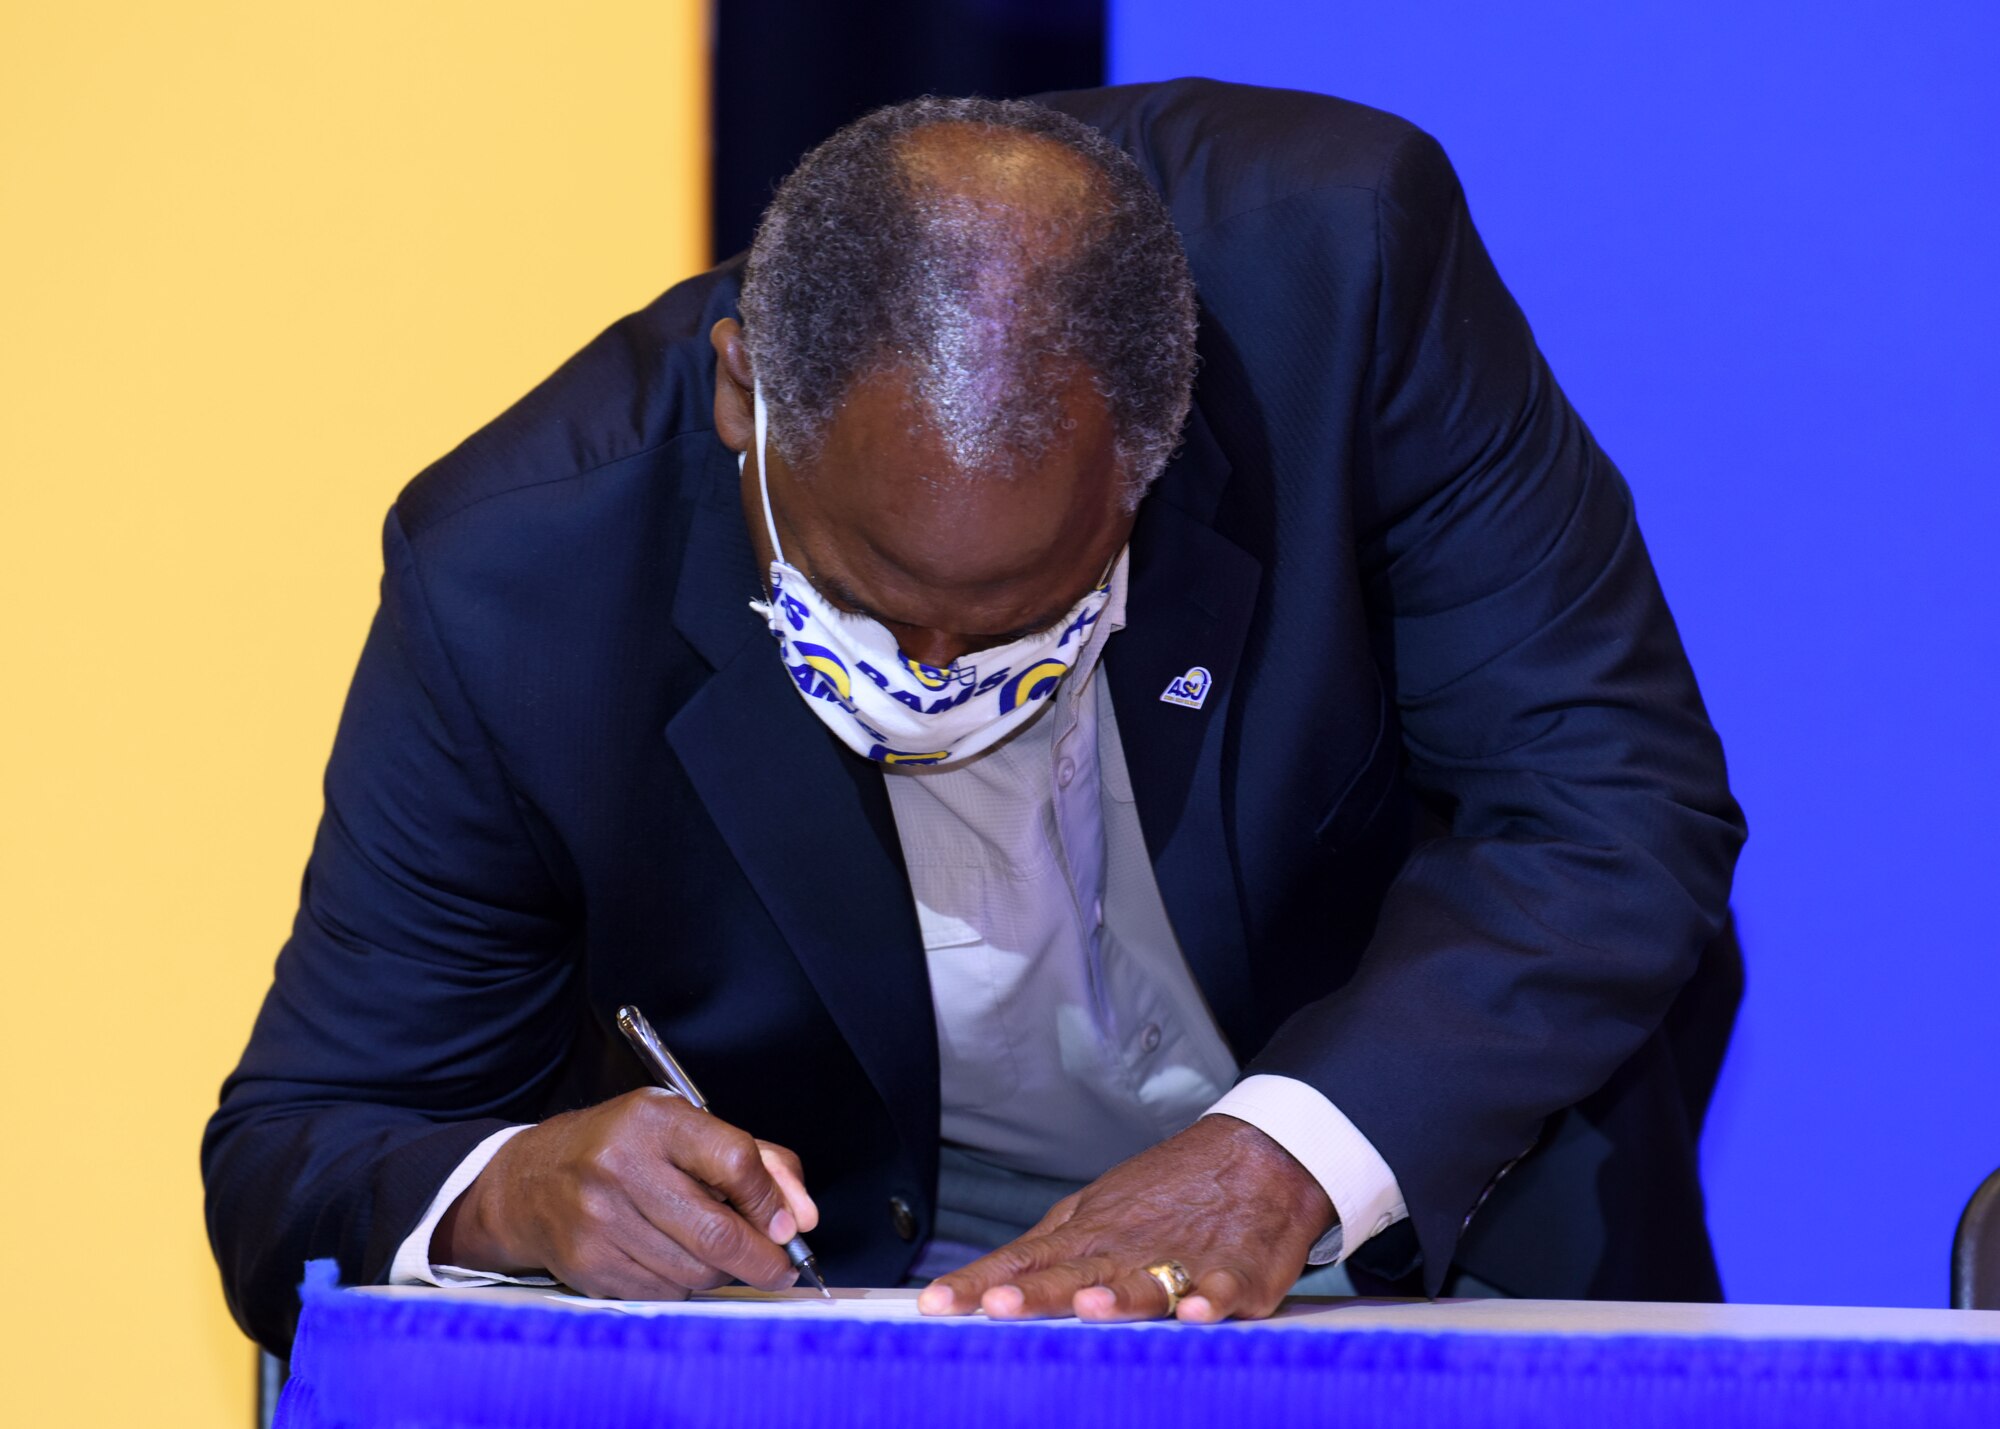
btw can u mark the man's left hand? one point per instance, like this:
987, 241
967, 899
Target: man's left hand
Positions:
1222, 1198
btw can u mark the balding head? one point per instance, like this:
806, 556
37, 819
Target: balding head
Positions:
1000, 210
988, 257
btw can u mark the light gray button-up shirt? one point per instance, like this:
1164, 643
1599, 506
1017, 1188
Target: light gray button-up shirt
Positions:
1071, 1033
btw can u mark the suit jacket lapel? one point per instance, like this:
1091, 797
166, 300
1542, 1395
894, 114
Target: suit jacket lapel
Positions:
1189, 602
809, 823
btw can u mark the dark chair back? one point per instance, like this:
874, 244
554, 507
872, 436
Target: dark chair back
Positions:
1975, 1250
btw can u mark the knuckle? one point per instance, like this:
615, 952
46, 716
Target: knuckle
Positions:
594, 1208
995, 1269
1059, 1247
737, 1159
713, 1238
1044, 1278
604, 1162
658, 1113
1100, 1270
642, 1104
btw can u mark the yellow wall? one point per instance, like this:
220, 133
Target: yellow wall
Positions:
259, 263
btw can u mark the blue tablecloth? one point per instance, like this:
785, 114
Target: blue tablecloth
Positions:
374, 1360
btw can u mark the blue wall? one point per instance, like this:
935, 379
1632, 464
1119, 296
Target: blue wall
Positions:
1758, 244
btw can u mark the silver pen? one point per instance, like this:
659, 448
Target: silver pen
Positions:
671, 1075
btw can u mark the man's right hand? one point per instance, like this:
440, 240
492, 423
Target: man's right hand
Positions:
639, 1198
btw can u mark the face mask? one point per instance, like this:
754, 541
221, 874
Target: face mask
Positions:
887, 707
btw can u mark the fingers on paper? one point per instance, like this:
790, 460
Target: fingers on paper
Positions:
961, 1292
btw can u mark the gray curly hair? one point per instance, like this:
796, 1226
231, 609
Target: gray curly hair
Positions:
947, 239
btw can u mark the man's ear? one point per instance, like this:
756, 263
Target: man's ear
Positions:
735, 419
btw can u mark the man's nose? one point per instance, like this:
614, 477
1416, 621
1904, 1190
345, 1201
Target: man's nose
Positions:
932, 647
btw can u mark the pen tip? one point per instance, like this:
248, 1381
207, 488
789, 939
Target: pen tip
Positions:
811, 1267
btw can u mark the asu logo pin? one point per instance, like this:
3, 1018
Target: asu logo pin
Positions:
1190, 690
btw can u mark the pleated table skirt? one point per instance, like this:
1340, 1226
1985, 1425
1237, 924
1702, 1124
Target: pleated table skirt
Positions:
488, 1359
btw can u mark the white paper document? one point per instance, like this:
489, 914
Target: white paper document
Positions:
1504, 1317
787, 1304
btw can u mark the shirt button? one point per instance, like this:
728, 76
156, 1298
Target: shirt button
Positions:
1150, 1038
1065, 771
902, 1218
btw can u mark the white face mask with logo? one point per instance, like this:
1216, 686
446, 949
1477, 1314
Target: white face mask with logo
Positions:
888, 707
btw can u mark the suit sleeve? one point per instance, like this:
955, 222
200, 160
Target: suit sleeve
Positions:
1547, 712
419, 1003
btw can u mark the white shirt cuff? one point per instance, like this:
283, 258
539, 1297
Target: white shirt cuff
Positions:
1320, 1137
412, 1265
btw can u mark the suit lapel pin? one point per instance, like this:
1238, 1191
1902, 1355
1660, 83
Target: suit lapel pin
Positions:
1189, 690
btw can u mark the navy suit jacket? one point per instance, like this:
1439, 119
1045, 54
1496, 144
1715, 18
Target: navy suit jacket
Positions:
1445, 841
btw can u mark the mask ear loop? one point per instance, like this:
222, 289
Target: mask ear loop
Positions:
763, 419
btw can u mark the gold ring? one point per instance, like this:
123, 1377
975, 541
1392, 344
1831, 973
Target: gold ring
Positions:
1173, 1278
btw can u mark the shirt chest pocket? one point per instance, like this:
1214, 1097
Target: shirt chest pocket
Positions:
973, 983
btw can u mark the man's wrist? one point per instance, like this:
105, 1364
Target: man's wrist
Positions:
470, 1234
1273, 1165
1300, 1118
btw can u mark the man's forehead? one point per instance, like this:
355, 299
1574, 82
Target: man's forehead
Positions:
886, 477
